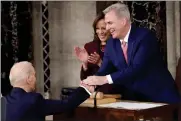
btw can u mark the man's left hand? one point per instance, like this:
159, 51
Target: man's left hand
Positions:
95, 80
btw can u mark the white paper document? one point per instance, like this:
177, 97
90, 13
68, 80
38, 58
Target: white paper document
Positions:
132, 105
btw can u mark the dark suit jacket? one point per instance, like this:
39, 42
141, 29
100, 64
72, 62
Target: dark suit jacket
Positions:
145, 77
178, 75
23, 106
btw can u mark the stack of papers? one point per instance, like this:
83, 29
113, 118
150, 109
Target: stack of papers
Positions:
132, 105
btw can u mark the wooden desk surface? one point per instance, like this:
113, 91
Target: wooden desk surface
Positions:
87, 113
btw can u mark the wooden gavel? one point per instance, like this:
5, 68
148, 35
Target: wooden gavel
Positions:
99, 95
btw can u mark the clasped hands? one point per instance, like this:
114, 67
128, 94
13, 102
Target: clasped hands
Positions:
91, 81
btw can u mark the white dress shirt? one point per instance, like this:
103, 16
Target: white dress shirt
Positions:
86, 90
110, 81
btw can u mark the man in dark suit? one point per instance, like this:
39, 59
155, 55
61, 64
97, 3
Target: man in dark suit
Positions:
23, 104
132, 60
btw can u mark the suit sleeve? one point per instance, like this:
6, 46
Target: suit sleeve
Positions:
85, 74
50, 107
146, 50
107, 67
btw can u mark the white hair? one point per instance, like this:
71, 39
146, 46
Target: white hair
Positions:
120, 9
20, 71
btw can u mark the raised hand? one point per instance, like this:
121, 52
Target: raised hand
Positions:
81, 54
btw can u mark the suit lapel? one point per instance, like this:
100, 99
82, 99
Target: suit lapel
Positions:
119, 52
131, 44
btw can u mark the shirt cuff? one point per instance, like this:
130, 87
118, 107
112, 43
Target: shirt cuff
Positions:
109, 79
86, 90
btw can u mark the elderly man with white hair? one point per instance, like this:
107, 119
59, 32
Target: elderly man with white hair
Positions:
24, 104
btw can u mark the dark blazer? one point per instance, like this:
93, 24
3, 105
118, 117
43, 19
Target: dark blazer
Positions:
91, 47
145, 77
23, 106
178, 75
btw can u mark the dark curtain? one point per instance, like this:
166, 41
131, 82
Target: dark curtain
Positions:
151, 15
16, 38
180, 34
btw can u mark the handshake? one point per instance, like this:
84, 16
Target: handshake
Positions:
89, 88
91, 82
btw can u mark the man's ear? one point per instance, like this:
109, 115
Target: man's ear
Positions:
29, 79
124, 21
